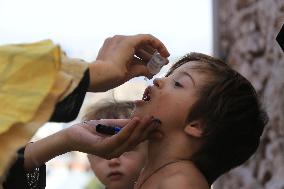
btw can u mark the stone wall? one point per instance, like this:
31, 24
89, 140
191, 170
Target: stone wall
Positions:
245, 33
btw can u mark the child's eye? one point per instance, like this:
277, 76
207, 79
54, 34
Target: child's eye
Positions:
178, 84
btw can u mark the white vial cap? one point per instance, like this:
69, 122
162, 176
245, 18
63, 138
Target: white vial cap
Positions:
156, 63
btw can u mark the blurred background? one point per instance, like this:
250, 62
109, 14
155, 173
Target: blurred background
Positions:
241, 32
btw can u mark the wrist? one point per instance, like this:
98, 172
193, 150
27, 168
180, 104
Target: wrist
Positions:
29, 163
41, 151
61, 143
70, 139
105, 75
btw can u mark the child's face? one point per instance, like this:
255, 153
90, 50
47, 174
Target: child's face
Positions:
120, 172
171, 98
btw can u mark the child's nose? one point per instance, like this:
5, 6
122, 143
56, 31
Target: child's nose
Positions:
158, 82
114, 162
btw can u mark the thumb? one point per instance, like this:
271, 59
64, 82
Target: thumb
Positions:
140, 69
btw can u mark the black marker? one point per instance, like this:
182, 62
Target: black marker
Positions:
108, 130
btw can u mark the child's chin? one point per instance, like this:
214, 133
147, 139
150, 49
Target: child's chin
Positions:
156, 135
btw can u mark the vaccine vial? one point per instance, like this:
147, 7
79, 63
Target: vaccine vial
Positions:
156, 63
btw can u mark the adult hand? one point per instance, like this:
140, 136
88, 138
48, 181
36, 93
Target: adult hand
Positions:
122, 58
83, 137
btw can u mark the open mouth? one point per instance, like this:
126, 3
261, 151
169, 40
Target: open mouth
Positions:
145, 98
146, 95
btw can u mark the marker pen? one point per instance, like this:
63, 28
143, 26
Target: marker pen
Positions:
108, 130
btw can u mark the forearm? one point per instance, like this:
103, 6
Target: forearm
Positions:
42, 151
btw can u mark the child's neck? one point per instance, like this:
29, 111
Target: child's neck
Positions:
164, 159
161, 152
171, 147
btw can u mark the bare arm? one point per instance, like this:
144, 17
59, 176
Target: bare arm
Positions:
84, 138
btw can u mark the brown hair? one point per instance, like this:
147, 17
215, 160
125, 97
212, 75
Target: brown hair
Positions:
231, 113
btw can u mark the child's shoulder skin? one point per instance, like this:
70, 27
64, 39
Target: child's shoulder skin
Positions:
182, 175
183, 181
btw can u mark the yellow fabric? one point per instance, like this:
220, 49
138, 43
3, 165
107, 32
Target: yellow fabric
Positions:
27, 74
20, 133
34, 81
75, 68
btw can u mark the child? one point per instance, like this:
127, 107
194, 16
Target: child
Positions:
121, 172
211, 122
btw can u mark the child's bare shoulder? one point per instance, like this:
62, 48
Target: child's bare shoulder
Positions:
184, 180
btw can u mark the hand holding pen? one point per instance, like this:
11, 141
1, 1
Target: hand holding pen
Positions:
83, 137
130, 132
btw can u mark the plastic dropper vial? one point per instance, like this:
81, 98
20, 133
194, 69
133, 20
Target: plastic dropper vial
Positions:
156, 63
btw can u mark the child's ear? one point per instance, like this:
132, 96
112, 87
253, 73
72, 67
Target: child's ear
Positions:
194, 129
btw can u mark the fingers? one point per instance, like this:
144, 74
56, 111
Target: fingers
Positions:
149, 49
128, 129
139, 69
118, 141
135, 136
140, 133
145, 52
152, 41
143, 55
134, 131
120, 59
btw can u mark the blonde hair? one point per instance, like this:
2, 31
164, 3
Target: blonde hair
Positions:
109, 110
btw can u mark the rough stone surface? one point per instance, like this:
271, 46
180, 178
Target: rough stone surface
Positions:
247, 30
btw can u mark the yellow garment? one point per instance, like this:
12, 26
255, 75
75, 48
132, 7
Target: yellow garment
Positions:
33, 78
27, 73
